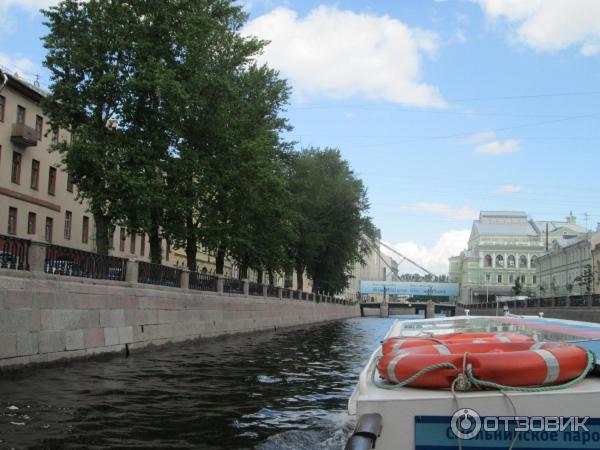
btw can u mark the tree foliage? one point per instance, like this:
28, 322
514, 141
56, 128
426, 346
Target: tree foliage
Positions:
332, 228
178, 134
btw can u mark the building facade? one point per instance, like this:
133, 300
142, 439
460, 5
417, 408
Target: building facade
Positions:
504, 246
377, 267
562, 269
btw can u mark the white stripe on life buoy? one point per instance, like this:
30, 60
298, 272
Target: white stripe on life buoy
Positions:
552, 366
442, 349
391, 368
502, 338
397, 346
537, 346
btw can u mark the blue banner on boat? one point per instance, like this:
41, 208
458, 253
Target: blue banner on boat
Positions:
409, 288
435, 433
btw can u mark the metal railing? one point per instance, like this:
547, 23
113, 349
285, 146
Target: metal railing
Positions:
79, 263
296, 295
203, 281
255, 288
546, 302
285, 293
149, 273
14, 253
233, 286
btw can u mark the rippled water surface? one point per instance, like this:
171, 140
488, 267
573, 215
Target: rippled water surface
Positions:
276, 390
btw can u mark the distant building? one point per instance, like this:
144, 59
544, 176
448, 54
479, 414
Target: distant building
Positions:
504, 247
377, 267
561, 269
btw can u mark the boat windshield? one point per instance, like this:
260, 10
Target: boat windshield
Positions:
539, 328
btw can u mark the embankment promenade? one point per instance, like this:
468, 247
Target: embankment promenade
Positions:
45, 317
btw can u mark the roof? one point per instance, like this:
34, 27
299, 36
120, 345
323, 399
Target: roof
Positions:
553, 226
24, 87
507, 214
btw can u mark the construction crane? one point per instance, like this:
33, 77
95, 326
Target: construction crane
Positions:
406, 258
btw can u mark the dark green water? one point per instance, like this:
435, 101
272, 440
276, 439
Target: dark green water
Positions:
279, 390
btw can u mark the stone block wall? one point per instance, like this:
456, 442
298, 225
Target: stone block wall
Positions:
44, 317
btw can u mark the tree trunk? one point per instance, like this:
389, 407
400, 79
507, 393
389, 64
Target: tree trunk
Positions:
154, 237
220, 262
191, 244
300, 277
102, 232
271, 277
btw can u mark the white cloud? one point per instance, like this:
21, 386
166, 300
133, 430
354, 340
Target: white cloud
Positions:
509, 189
482, 136
18, 64
442, 209
459, 36
550, 25
434, 258
498, 147
340, 54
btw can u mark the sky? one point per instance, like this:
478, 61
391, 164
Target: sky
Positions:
443, 108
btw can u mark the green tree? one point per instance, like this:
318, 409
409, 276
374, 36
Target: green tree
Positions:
518, 287
332, 228
88, 53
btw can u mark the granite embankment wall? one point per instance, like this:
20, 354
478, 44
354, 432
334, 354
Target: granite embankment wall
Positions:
45, 318
584, 314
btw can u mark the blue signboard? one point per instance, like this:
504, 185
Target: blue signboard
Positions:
436, 433
409, 288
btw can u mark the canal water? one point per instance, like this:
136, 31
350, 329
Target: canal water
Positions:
277, 390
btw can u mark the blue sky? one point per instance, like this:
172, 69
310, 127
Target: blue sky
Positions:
443, 108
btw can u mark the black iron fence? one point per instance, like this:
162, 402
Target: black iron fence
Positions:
255, 288
79, 263
296, 295
14, 253
272, 291
203, 281
546, 302
149, 273
285, 293
233, 286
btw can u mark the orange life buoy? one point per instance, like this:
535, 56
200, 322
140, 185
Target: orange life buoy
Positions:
394, 344
515, 364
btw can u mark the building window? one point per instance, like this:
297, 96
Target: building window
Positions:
487, 261
142, 245
522, 279
132, 243
499, 261
68, 222
70, 183
121, 239
39, 127
2, 106
55, 133
511, 261
12, 220
85, 231
488, 277
20, 114
522, 262
15, 175
48, 229
31, 223
35, 174
535, 279
52, 180
511, 278
499, 278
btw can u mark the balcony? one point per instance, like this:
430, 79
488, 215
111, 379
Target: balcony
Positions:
23, 136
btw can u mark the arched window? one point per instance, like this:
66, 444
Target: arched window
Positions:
510, 261
533, 261
523, 262
499, 261
487, 261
